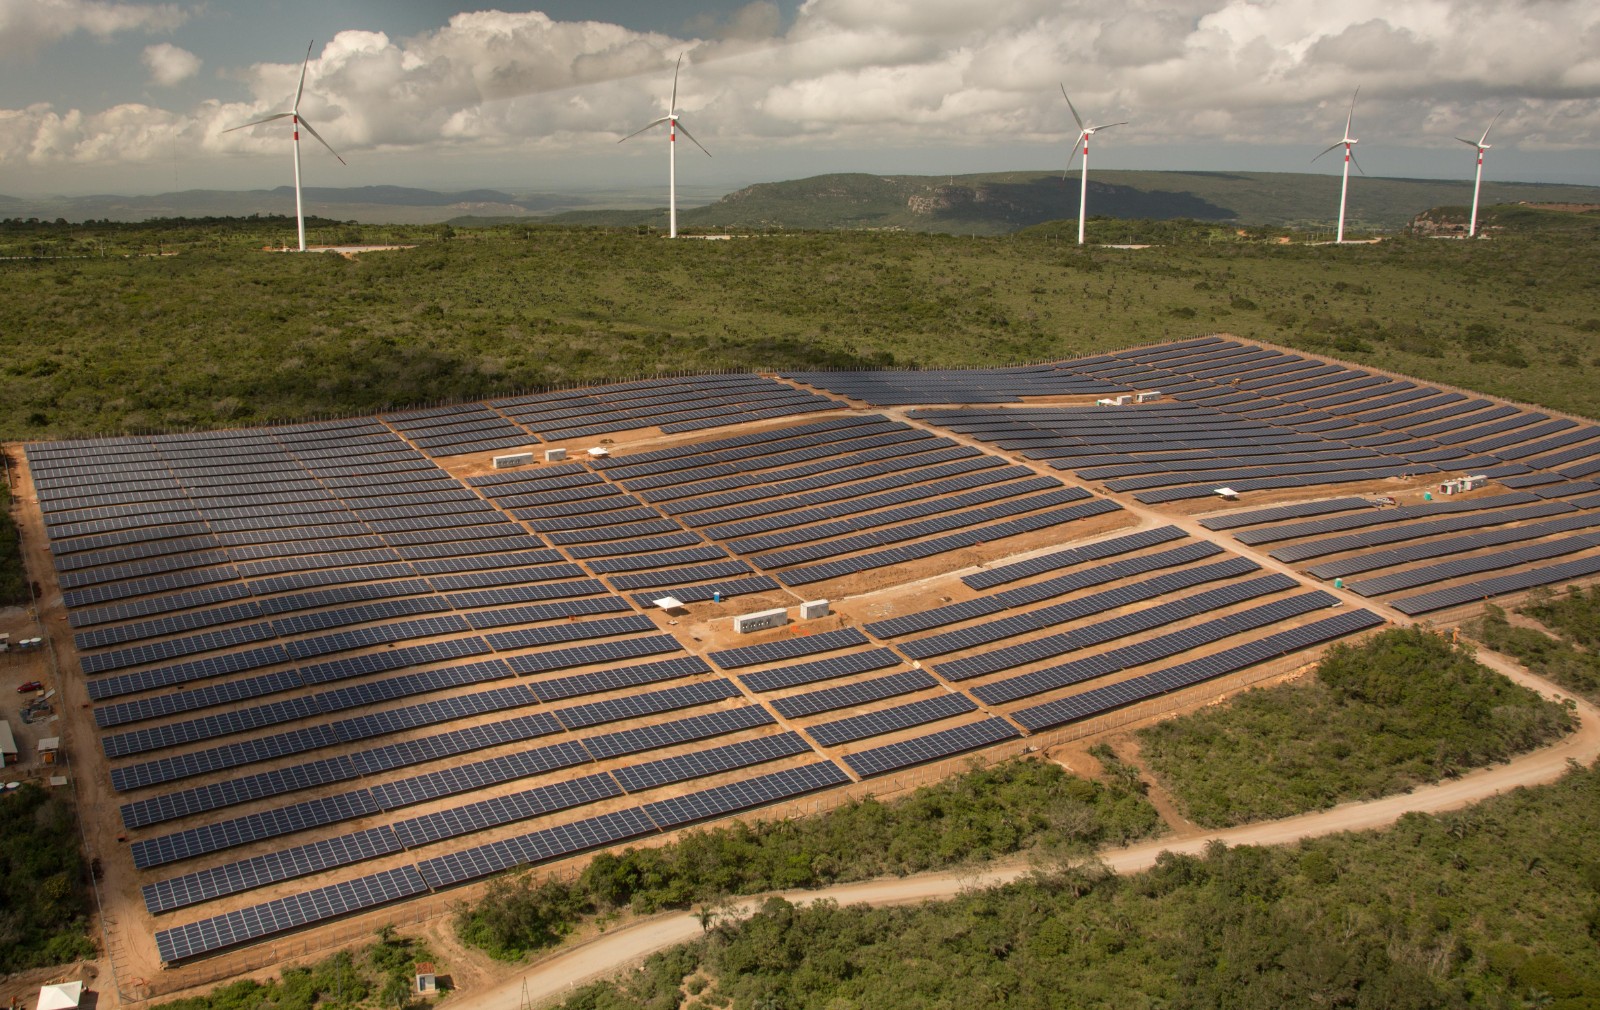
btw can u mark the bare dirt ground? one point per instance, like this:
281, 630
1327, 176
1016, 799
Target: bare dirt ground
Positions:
553, 977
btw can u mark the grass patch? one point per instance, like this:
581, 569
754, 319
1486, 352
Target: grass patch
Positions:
1494, 906
1555, 659
1402, 709
982, 814
13, 577
43, 882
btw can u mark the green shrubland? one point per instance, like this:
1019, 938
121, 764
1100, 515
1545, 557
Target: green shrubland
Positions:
380, 976
214, 332
13, 579
1569, 658
1496, 906
984, 813
1401, 709
44, 903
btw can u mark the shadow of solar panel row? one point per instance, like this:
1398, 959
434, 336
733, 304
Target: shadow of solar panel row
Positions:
889, 490
1150, 650
864, 445
1098, 700
506, 576
976, 534
260, 871
598, 652
169, 625
415, 832
1071, 610
1378, 517
1109, 572
522, 638
722, 450
652, 774
91, 595
1170, 494
1139, 622
578, 685
932, 747
744, 486
582, 492
465, 560
889, 720
645, 559
1071, 556
197, 939
547, 477
724, 588
748, 794
173, 649
649, 527
179, 673
1461, 567
917, 510
1415, 530
250, 828
554, 515
1298, 510
1453, 545
787, 648
847, 695
831, 487
675, 576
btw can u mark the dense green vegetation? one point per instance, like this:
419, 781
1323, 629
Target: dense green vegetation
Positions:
1497, 906
221, 333
43, 882
382, 975
984, 813
13, 583
1403, 708
1556, 658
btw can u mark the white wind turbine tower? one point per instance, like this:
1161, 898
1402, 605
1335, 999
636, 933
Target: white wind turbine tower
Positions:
1349, 158
1085, 131
673, 126
1477, 183
299, 121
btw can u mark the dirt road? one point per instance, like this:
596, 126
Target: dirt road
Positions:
618, 948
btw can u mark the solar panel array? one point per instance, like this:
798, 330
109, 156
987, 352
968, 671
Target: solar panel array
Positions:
326, 599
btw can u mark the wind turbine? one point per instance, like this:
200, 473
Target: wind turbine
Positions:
1477, 183
673, 126
1085, 131
1349, 159
299, 121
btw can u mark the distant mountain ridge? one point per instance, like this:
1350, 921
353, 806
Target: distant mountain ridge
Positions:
987, 204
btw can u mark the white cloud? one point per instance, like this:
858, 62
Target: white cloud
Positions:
896, 73
27, 26
169, 64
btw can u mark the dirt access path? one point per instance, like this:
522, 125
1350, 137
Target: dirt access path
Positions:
561, 972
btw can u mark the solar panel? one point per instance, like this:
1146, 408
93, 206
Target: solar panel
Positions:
232, 878
599, 652
848, 695
789, 648
678, 731
1072, 556
535, 848
819, 669
463, 778
753, 792
577, 685
649, 703
651, 774
198, 841
508, 808
858, 727
932, 747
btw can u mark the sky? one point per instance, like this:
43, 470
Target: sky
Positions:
132, 97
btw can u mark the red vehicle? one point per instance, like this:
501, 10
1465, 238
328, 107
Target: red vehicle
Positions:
32, 685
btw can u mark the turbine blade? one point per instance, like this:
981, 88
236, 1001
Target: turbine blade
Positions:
697, 143
1075, 116
301, 89
635, 133
324, 143
1330, 147
1488, 128
1074, 156
246, 126
1467, 142
1356, 163
1110, 125
672, 108
1351, 115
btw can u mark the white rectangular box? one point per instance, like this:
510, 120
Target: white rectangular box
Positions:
760, 621
813, 609
514, 459
554, 455
1148, 397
